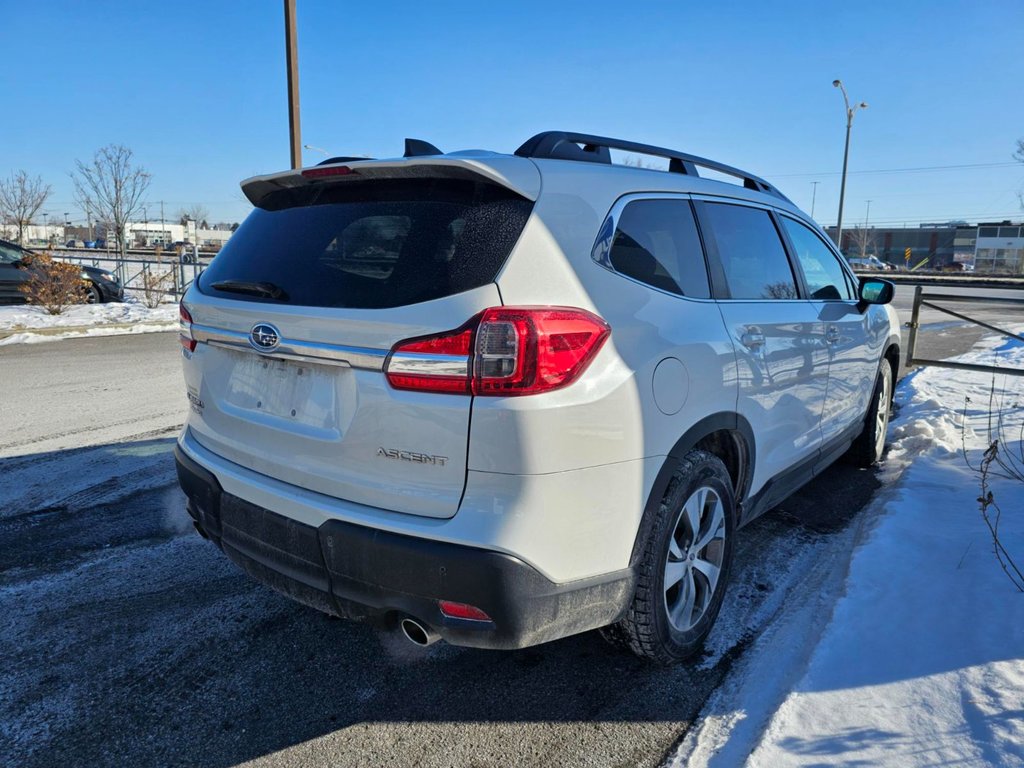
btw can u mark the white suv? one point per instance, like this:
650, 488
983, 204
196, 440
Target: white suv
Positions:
501, 399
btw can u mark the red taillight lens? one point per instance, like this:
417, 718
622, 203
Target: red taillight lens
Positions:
433, 363
503, 351
185, 329
462, 611
526, 350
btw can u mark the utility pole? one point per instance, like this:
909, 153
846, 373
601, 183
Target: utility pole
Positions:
867, 213
292, 64
814, 195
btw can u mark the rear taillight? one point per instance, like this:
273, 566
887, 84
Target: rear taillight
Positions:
503, 351
185, 329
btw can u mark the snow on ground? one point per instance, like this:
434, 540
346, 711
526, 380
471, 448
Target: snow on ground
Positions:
921, 661
30, 324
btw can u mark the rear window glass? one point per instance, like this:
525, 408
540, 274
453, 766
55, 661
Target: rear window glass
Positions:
656, 242
369, 245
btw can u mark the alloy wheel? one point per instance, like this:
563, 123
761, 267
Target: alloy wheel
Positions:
696, 551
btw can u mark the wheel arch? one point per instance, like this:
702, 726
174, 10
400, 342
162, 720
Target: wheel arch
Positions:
726, 435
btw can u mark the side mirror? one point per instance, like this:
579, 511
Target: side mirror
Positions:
875, 291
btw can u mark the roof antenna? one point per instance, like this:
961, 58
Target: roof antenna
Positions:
418, 147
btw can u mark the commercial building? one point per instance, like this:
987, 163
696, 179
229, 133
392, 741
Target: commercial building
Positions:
988, 247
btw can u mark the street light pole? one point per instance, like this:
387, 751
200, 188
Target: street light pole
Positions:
846, 157
292, 66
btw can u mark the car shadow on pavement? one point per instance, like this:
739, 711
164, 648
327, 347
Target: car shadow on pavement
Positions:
135, 642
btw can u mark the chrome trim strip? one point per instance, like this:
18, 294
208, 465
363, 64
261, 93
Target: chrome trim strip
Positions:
428, 365
291, 349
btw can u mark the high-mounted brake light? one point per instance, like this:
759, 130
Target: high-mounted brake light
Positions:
503, 351
185, 329
319, 173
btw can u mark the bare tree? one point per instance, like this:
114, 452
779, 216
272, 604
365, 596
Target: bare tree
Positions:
20, 200
111, 187
634, 161
197, 212
863, 240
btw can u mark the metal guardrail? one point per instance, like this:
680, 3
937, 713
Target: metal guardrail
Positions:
922, 299
136, 274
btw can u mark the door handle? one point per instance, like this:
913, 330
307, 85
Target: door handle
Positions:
752, 340
832, 335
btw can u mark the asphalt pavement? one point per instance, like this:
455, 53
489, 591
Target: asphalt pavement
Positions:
131, 641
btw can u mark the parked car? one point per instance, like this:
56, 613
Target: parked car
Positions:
100, 285
501, 399
870, 263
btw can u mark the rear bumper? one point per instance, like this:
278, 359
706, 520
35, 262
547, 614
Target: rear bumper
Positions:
356, 571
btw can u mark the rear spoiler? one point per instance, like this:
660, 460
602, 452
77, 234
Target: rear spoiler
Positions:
515, 173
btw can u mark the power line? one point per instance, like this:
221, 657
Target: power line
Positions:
918, 169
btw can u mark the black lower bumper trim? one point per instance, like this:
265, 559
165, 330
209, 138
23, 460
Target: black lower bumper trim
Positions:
359, 572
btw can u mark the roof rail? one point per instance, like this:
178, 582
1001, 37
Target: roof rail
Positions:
564, 145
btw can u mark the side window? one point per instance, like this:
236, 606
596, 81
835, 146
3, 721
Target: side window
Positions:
8, 255
752, 254
656, 243
826, 279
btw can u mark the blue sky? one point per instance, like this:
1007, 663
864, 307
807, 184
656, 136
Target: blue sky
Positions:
197, 90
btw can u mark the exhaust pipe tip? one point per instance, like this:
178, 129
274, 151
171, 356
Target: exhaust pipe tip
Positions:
417, 633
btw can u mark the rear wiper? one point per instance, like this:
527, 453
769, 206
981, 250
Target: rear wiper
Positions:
269, 290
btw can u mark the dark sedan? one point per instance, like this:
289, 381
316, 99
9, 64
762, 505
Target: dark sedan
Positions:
101, 285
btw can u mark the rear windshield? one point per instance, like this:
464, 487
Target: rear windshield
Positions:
369, 244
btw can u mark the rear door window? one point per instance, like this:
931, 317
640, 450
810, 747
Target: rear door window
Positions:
369, 244
750, 250
656, 242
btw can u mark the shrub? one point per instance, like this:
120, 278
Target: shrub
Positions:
155, 286
54, 285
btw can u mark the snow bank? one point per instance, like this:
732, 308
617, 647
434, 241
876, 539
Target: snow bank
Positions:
922, 662
31, 324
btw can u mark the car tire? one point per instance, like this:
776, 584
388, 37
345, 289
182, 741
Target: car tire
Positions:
868, 448
91, 295
682, 577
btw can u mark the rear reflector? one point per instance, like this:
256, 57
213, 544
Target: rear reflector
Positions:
185, 329
319, 173
503, 351
462, 611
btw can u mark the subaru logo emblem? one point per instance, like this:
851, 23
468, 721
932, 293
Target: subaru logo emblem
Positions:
264, 337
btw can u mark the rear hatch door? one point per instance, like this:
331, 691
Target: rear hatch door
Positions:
296, 316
